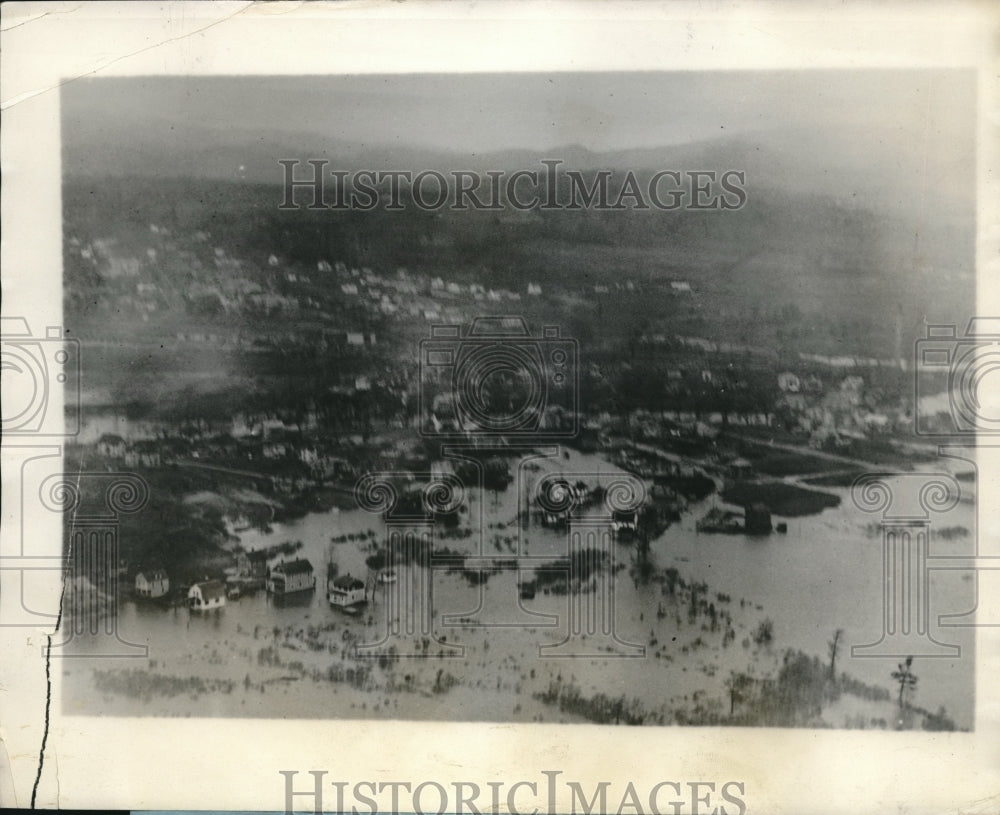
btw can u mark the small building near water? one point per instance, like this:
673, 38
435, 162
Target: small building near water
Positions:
111, 445
345, 591
757, 519
207, 595
252, 565
290, 577
740, 469
624, 522
152, 584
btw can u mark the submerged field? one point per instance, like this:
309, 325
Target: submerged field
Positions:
721, 630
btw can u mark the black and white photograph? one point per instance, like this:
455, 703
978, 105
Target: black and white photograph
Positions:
573, 400
552, 407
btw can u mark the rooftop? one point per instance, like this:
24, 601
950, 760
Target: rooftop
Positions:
210, 589
294, 567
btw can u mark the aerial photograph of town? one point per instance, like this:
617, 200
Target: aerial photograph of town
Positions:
570, 398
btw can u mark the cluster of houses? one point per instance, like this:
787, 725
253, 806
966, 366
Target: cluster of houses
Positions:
217, 282
557, 497
154, 584
422, 297
283, 456
253, 571
281, 579
836, 415
824, 412
142, 453
357, 297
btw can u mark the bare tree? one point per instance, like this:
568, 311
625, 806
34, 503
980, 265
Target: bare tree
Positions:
907, 681
834, 646
739, 685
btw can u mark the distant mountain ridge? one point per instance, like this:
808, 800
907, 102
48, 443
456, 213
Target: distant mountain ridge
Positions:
805, 163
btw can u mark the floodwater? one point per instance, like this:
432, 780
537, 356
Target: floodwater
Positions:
485, 654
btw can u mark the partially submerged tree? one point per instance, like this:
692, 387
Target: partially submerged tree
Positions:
907, 681
739, 685
834, 646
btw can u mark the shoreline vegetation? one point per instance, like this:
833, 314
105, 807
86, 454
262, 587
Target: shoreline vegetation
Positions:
773, 688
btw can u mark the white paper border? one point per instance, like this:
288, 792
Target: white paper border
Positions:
143, 763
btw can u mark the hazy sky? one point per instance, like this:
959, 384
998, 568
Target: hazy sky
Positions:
487, 112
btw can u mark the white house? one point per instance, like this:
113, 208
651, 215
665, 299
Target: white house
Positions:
624, 522
345, 591
207, 595
111, 446
274, 449
144, 454
789, 382
152, 584
291, 577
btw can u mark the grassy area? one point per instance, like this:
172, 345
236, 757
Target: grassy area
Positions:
798, 696
185, 538
779, 463
840, 479
782, 499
